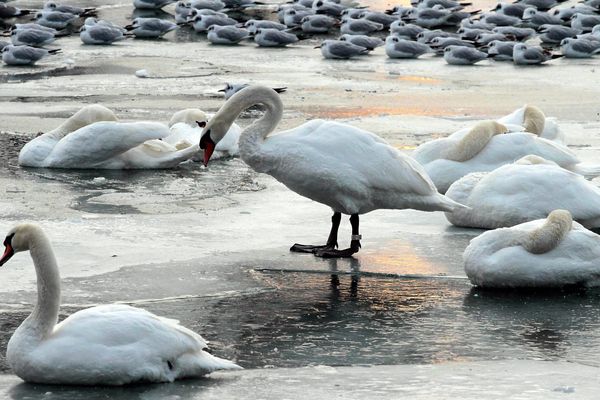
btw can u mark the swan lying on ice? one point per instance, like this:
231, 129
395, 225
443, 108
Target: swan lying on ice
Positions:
93, 139
105, 345
487, 146
552, 252
533, 120
524, 191
350, 170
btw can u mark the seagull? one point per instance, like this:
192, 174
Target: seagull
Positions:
55, 19
328, 7
341, 50
585, 22
152, 4
443, 42
427, 36
7, 11
405, 31
360, 27
232, 88
579, 48
542, 5
511, 9
379, 17
365, 41
100, 34
81, 12
292, 18
403, 48
535, 18
554, 34
501, 50
31, 37
215, 5
317, 23
253, 24
525, 55
274, 38
150, 28
218, 34
461, 55
470, 33
201, 23
520, 34
499, 19
24, 55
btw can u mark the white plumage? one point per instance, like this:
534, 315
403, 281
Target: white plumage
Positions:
550, 253
521, 192
104, 345
492, 152
92, 139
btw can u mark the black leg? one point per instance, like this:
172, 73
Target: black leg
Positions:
354, 243
331, 240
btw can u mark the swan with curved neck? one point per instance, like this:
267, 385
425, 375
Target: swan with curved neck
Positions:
93, 139
109, 344
550, 252
533, 120
479, 149
348, 169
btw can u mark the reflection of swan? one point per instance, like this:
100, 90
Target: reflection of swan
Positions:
524, 191
186, 130
92, 139
554, 252
351, 170
109, 344
485, 148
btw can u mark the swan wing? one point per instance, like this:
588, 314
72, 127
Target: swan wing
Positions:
119, 344
343, 166
101, 141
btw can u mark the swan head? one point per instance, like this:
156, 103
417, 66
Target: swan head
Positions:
532, 159
212, 133
533, 120
19, 239
190, 116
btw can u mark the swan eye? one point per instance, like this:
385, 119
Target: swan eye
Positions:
205, 139
170, 365
201, 124
8, 240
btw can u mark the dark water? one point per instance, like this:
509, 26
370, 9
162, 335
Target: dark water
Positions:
188, 180
315, 319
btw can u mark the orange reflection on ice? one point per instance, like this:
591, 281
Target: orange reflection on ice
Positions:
419, 79
350, 112
401, 258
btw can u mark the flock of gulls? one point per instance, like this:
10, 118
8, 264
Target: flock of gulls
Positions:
513, 176
526, 32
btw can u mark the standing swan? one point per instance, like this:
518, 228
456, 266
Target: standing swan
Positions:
105, 345
350, 170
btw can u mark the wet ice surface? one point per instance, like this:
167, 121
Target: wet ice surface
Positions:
210, 247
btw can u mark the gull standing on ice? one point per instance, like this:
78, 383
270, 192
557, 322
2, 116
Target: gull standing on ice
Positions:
365, 41
151, 28
226, 34
579, 48
402, 48
525, 55
274, 38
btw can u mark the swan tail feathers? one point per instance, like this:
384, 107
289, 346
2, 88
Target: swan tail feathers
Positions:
587, 170
444, 203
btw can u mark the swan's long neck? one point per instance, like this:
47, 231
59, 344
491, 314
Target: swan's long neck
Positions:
87, 115
252, 138
45, 313
550, 234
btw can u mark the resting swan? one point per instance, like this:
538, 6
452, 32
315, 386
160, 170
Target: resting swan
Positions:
350, 170
524, 191
93, 139
552, 252
533, 120
486, 147
105, 345
186, 129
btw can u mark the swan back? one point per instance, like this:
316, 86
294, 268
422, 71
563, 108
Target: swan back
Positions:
35, 152
550, 234
189, 116
475, 140
532, 159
